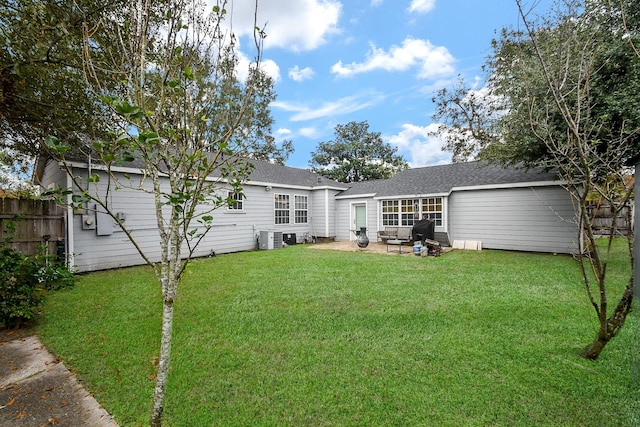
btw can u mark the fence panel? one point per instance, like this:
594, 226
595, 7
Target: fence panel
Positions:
602, 216
27, 225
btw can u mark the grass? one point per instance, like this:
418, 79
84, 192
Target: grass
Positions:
324, 338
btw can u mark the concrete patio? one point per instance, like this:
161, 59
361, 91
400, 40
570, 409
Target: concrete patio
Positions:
373, 247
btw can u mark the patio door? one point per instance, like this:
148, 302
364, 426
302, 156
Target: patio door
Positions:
360, 216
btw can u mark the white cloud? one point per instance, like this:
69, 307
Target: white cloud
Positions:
309, 132
432, 61
297, 25
424, 148
298, 75
421, 6
376, 3
283, 131
269, 66
341, 106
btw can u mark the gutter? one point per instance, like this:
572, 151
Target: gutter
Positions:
139, 171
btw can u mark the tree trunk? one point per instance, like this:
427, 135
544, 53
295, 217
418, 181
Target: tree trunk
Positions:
612, 325
592, 351
163, 364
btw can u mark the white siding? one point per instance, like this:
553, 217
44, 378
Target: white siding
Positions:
346, 219
319, 226
329, 213
323, 213
539, 219
343, 218
232, 230
260, 210
53, 175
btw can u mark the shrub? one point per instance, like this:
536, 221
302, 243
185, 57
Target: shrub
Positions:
23, 282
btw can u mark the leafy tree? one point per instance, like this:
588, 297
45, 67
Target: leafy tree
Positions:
493, 124
260, 144
467, 119
43, 79
42, 90
166, 77
356, 155
565, 89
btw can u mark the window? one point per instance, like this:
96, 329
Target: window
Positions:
300, 209
432, 206
281, 208
390, 212
406, 212
236, 201
409, 213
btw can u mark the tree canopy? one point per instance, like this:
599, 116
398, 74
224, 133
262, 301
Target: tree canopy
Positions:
356, 155
46, 88
591, 39
42, 77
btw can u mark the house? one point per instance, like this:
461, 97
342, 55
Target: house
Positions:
503, 208
276, 198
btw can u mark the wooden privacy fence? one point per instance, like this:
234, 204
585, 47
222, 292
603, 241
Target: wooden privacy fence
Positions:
602, 218
27, 225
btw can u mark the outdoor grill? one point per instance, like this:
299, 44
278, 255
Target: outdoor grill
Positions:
422, 230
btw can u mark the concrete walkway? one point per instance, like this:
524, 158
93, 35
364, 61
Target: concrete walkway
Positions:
36, 389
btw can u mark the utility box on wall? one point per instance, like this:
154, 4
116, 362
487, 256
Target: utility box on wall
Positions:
270, 240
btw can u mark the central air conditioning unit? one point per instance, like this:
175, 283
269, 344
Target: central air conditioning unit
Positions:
270, 240
289, 238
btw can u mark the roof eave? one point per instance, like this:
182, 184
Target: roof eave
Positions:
356, 196
548, 183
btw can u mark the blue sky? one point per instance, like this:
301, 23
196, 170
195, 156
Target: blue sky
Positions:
375, 60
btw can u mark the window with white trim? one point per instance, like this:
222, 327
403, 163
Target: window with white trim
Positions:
409, 211
432, 206
236, 201
281, 208
390, 212
406, 212
300, 209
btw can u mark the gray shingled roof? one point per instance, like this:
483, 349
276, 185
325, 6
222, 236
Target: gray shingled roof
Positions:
277, 174
427, 180
441, 179
267, 173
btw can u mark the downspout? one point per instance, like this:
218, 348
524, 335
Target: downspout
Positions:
68, 223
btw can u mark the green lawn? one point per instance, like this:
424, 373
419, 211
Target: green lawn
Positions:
309, 337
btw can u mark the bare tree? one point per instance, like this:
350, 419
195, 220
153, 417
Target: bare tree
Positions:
565, 92
588, 164
180, 116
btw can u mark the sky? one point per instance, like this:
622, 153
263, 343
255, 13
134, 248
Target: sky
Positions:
337, 61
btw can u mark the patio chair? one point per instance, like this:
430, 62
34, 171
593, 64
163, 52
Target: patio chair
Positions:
403, 236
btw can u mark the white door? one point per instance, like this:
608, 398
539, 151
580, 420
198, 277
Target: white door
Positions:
360, 216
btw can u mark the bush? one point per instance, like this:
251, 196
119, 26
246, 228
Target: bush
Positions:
23, 282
